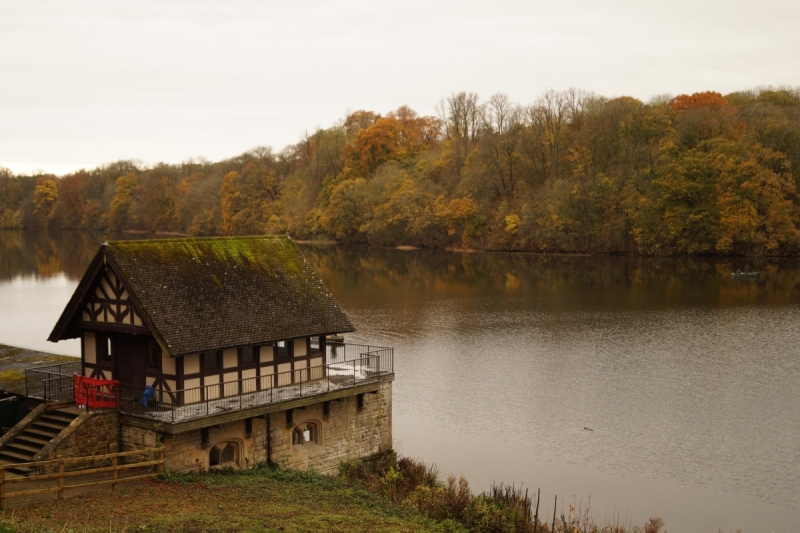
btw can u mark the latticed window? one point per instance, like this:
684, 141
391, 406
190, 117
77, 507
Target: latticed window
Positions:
305, 433
224, 454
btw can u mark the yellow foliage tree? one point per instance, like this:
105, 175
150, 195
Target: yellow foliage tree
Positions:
755, 205
124, 212
45, 197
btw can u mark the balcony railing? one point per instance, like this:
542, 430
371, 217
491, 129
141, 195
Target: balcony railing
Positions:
51, 383
348, 365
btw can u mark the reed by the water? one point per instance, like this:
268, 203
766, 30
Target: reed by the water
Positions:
503, 508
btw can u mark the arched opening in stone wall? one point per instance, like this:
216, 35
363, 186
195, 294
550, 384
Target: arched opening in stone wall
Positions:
307, 432
224, 454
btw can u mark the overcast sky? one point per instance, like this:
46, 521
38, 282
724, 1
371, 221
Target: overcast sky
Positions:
84, 83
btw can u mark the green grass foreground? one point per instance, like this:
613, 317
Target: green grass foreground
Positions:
262, 499
380, 493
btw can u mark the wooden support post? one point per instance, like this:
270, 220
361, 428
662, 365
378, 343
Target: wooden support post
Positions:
61, 479
114, 472
160, 467
2, 488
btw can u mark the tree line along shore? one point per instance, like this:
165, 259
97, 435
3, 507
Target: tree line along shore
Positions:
572, 172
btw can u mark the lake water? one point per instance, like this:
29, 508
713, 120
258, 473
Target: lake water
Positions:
690, 381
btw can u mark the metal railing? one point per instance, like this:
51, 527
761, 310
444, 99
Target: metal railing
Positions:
51, 382
347, 368
336, 352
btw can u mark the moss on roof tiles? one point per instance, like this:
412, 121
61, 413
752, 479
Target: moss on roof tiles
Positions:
211, 293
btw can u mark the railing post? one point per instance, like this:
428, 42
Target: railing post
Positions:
114, 472
61, 479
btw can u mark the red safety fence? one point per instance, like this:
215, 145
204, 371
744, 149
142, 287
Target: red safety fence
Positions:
96, 393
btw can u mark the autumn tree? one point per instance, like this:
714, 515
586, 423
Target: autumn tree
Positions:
416, 133
755, 199
462, 121
72, 204
497, 159
12, 196
124, 212
347, 211
44, 201
704, 116
680, 213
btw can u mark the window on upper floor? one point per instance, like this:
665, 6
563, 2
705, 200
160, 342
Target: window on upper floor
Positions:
282, 349
247, 355
315, 344
103, 349
154, 357
210, 360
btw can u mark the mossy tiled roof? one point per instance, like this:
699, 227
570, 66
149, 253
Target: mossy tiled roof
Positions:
213, 293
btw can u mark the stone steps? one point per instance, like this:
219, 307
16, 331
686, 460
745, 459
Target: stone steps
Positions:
32, 439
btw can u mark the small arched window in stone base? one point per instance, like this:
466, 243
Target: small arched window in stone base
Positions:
224, 454
306, 433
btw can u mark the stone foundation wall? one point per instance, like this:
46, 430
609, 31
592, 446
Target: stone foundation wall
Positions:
136, 438
94, 433
347, 433
186, 451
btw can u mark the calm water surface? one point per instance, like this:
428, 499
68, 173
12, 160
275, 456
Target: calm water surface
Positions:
690, 381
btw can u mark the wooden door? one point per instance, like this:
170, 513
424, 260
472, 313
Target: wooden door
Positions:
131, 354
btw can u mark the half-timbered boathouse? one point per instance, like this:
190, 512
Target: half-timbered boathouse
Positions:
218, 348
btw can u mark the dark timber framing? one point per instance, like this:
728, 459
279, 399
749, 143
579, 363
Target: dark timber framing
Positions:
106, 310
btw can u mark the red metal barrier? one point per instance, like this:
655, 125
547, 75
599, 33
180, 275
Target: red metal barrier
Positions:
96, 393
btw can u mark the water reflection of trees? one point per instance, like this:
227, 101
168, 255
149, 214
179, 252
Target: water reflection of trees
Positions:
552, 282
24, 253
600, 282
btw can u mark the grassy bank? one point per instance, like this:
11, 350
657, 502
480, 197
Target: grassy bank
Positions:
263, 499
381, 494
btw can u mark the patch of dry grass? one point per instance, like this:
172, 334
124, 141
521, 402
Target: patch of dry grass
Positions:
263, 499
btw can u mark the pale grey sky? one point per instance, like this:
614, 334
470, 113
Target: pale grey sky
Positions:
84, 83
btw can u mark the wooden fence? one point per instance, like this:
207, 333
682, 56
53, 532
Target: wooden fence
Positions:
71, 475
